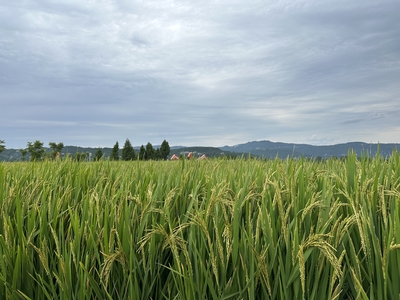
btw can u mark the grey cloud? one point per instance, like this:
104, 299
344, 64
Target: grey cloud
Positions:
351, 121
206, 73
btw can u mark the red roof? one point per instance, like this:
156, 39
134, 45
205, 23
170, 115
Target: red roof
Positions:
174, 157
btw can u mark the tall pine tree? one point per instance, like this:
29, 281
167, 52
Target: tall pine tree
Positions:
150, 152
128, 152
164, 150
115, 152
98, 155
157, 155
142, 153
2, 147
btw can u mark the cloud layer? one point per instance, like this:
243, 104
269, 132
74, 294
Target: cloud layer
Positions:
91, 73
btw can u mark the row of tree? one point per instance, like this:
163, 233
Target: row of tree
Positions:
38, 152
145, 153
2, 146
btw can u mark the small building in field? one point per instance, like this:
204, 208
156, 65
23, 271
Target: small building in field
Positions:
174, 157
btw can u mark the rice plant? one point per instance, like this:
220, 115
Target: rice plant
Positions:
215, 229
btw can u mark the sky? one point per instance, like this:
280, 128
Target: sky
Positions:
199, 73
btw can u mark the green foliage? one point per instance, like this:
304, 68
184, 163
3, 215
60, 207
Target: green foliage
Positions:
2, 146
98, 155
23, 152
56, 149
190, 229
142, 153
164, 150
157, 154
115, 152
128, 152
209, 152
149, 154
82, 156
36, 150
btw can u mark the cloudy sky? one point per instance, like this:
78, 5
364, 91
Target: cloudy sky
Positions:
208, 73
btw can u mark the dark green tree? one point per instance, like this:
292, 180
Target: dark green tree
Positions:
2, 147
98, 155
23, 152
142, 153
56, 148
36, 150
81, 156
164, 150
128, 152
150, 152
157, 155
115, 152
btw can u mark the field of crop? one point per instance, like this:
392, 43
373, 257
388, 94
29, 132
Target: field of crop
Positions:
216, 229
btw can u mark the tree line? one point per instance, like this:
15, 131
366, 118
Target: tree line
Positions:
145, 153
37, 152
2, 146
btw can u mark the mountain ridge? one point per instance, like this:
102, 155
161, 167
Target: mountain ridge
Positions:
268, 149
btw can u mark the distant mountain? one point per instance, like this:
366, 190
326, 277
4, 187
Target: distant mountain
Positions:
270, 149
10, 154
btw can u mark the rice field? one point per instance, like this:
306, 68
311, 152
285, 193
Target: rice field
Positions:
215, 229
